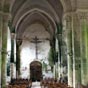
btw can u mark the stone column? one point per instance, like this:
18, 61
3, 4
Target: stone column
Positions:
57, 61
0, 43
68, 27
83, 17
76, 50
18, 44
52, 55
59, 37
59, 54
12, 55
56, 68
4, 49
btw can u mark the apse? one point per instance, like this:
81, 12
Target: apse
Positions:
28, 47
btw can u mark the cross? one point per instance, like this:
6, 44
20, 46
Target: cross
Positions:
36, 41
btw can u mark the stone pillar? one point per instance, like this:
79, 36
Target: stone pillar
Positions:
57, 57
59, 37
56, 72
83, 17
12, 65
0, 43
68, 27
76, 50
73, 49
59, 54
52, 54
4, 49
18, 44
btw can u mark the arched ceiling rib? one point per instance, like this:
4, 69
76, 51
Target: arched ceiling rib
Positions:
53, 7
56, 4
16, 5
16, 18
35, 17
27, 12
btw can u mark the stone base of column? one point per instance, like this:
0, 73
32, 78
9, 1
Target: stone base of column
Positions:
17, 75
13, 70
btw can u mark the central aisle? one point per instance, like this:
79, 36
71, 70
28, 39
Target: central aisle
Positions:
36, 85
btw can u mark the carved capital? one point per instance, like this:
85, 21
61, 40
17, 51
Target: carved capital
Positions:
13, 36
59, 36
19, 42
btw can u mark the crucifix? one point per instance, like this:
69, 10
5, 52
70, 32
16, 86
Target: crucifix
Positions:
36, 41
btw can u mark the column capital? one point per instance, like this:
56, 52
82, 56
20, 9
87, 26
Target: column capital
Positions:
19, 42
59, 36
13, 36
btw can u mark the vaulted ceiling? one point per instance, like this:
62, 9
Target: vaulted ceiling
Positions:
36, 18
42, 12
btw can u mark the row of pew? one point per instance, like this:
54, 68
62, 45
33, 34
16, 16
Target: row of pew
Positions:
45, 83
20, 83
53, 83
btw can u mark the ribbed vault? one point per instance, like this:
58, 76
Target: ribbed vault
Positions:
27, 12
35, 17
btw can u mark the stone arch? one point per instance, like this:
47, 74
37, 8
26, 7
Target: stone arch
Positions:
8, 3
45, 22
36, 9
24, 7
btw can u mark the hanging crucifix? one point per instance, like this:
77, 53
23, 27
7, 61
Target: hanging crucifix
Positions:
36, 41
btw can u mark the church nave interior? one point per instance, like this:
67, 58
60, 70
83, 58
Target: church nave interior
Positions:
44, 43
